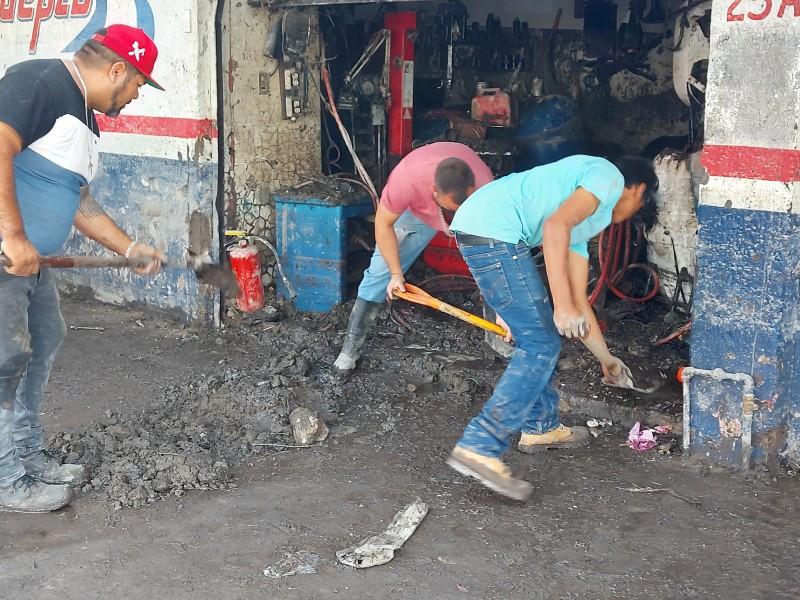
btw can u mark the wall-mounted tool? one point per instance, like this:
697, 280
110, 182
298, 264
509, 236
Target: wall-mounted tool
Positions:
360, 90
374, 45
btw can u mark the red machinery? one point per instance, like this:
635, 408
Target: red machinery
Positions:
401, 82
442, 255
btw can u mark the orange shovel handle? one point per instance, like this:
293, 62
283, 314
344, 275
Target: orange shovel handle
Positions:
420, 296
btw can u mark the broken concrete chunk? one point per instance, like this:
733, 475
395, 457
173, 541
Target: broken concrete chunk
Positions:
307, 427
380, 549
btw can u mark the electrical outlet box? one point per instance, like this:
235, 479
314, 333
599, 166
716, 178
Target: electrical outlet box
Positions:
263, 83
292, 91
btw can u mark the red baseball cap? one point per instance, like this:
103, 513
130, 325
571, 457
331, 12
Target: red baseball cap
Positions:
133, 46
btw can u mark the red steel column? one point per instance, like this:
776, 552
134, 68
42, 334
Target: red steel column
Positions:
401, 82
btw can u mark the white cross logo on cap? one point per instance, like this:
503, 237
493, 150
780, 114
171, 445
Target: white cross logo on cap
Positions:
137, 52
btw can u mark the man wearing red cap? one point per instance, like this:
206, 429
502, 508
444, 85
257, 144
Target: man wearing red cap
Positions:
48, 157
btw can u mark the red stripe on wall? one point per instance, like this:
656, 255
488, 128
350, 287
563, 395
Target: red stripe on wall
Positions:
744, 162
162, 126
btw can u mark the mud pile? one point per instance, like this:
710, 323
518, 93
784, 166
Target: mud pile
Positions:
191, 436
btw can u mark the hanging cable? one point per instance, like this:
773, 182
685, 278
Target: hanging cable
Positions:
331, 106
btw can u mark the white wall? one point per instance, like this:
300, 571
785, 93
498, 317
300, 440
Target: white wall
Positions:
184, 33
753, 100
158, 173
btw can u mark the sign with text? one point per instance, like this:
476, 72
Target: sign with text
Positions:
758, 10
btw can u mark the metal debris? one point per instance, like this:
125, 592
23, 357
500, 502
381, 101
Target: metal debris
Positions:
652, 490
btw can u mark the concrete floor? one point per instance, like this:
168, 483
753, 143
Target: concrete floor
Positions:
585, 535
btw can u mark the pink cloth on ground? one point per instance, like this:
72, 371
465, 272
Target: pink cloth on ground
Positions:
644, 439
409, 184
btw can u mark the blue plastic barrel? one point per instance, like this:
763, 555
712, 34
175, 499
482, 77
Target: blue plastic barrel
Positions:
548, 131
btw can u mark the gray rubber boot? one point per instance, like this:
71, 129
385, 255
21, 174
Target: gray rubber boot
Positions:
362, 318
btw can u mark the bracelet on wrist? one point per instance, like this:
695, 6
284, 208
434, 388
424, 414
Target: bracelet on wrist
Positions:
129, 250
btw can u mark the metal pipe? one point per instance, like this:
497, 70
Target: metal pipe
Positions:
222, 151
748, 406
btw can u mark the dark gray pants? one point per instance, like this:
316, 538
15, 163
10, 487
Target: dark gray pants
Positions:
31, 332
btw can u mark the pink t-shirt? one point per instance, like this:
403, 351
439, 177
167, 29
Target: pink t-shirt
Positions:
409, 184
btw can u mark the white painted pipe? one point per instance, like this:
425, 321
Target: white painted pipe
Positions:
748, 406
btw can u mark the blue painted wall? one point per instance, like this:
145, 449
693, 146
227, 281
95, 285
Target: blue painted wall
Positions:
167, 203
744, 321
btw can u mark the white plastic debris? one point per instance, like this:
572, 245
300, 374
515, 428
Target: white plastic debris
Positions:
379, 549
598, 422
293, 563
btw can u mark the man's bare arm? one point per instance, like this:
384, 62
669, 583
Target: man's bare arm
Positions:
89, 207
556, 236
93, 222
10, 219
16, 245
579, 281
386, 239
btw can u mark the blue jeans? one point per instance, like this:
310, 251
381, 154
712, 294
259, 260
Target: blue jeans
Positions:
412, 237
524, 399
31, 332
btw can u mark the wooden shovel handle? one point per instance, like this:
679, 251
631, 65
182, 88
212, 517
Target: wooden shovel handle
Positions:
86, 262
420, 296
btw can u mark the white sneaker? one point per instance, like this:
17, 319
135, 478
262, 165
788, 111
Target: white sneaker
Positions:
43, 466
30, 496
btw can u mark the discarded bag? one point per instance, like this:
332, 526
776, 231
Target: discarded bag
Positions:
644, 439
379, 549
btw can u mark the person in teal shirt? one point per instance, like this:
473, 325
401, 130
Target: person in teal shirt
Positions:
560, 207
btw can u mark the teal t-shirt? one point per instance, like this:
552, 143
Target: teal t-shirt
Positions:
515, 207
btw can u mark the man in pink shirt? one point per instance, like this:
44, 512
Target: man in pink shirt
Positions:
427, 184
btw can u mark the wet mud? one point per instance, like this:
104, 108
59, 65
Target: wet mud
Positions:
198, 482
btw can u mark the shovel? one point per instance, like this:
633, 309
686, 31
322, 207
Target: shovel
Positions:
206, 271
420, 296
640, 379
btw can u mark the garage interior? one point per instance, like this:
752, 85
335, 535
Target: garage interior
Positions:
522, 86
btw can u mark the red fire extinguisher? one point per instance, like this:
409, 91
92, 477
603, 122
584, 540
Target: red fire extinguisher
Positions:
246, 265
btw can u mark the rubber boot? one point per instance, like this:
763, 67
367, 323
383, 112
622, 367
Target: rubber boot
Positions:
362, 318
